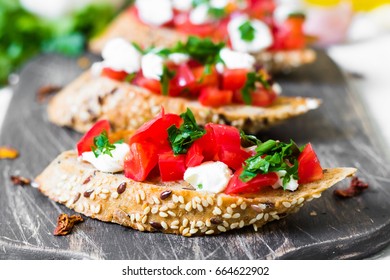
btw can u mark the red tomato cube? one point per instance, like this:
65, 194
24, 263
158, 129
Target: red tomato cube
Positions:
172, 167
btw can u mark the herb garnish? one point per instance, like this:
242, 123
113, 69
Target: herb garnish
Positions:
214, 12
166, 76
182, 138
248, 140
273, 156
250, 85
102, 145
247, 31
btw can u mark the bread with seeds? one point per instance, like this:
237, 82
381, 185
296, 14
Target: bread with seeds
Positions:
126, 106
127, 26
170, 207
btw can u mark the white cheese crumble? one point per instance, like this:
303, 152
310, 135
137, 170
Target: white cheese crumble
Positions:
200, 15
182, 5
106, 163
178, 58
154, 12
285, 8
292, 185
209, 176
237, 60
152, 66
120, 55
262, 35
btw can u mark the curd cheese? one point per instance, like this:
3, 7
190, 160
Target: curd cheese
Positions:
154, 12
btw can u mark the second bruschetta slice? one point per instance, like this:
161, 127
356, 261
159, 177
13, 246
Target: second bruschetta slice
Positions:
131, 84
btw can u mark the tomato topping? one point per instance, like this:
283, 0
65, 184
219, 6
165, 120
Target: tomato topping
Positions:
214, 97
184, 25
232, 156
260, 97
194, 155
150, 84
234, 79
203, 79
113, 74
172, 167
183, 80
140, 160
309, 167
87, 141
290, 34
155, 130
261, 181
207, 144
225, 135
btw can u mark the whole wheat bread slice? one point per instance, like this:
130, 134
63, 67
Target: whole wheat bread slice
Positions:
172, 207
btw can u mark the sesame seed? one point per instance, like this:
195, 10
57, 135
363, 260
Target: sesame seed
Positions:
200, 207
219, 201
181, 199
185, 222
147, 210
140, 227
197, 199
243, 206
266, 216
273, 213
114, 195
199, 224
233, 205
170, 213
293, 202
236, 216
174, 227
163, 214
259, 216
286, 204
221, 228
86, 206
175, 223
105, 191
185, 231
98, 190
175, 198
256, 208
137, 217
193, 230
210, 200
255, 227
233, 225
209, 232
229, 210
154, 210
92, 196
164, 225
97, 209
194, 204
132, 217
79, 208
164, 208
137, 198
208, 223
156, 200
188, 207
171, 205
225, 224
317, 195
193, 224
240, 201
241, 225
262, 206
103, 196
301, 200
309, 199
203, 229
144, 219
276, 217
142, 194
182, 206
217, 211
165, 194
252, 221
205, 203
226, 216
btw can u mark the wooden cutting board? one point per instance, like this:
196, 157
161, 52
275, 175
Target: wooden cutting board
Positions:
327, 228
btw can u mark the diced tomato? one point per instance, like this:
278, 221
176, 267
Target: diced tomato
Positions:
194, 155
214, 97
262, 10
234, 79
155, 130
261, 181
184, 80
115, 75
309, 167
260, 97
172, 167
150, 84
184, 25
87, 141
232, 156
290, 34
207, 144
204, 80
140, 160
225, 135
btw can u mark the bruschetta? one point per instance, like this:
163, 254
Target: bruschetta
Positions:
272, 32
175, 176
131, 84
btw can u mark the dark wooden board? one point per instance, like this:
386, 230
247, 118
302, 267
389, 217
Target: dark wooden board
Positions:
342, 229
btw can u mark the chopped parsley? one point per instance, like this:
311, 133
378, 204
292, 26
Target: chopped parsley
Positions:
182, 138
248, 140
200, 186
250, 85
273, 156
166, 76
217, 13
247, 31
102, 145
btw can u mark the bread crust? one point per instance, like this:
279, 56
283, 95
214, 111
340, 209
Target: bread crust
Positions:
127, 26
172, 207
127, 107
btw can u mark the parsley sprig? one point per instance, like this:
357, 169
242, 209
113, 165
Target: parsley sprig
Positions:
216, 13
273, 156
250, 85
166, 76
182, 138
102, 145
247, 31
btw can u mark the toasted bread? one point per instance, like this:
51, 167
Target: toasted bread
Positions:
127, 107
130, 28
172, 207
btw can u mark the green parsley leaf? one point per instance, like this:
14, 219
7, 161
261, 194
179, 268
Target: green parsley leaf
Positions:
273, 156
248, 140
247, 31
166, 76
130, 77
217, 13
250, 85
102, 145
182, 138
200, 186
138, 47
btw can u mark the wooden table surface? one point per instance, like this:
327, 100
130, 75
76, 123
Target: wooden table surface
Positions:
341, 229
